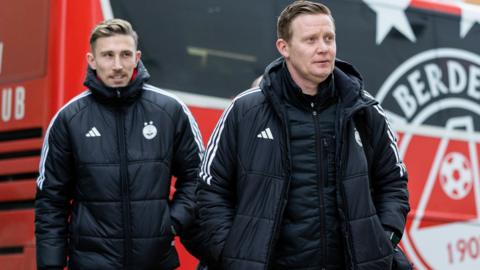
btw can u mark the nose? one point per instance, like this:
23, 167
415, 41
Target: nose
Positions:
322, 47
117, 64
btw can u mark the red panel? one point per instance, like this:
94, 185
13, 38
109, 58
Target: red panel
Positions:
80, 17
29, 257
69, 26
187, 261
19, 165
12, 262
19, 145
29, 95
24, 54
17, 191
25, 261
56, 51
23, 75
435, 6
16, 228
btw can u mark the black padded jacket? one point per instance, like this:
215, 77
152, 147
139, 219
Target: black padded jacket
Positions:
105, 178
247, 170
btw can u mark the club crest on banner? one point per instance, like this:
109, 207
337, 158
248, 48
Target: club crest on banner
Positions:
432, 100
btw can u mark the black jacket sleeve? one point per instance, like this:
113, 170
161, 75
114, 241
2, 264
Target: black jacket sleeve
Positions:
53, 197
187, 153
216, 194
390, 193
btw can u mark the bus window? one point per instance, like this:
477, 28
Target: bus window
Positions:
23, 40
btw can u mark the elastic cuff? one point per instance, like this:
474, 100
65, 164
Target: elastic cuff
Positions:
393, 237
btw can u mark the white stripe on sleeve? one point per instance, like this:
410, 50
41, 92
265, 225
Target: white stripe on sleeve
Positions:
213, 142
45, 148
393, 141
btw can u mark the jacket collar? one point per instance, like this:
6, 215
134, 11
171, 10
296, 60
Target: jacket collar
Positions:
120, 95
292, 93
347, 84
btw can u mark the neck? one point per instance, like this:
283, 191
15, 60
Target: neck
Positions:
308, 90
308, 87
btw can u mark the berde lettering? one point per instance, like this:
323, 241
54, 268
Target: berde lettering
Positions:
415, 93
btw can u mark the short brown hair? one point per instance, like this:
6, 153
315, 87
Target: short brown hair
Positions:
294, 10
110, 28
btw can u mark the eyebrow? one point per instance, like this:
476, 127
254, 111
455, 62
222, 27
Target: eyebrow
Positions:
112, 51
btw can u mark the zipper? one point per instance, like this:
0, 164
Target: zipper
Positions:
124, 186
344, 210
320, 184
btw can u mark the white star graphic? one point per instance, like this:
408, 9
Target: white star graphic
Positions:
470, 16
391, 14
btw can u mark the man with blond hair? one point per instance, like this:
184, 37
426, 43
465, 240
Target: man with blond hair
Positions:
106, 166
288, 182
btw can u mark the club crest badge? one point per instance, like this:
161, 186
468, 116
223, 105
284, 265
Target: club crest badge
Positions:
149, 130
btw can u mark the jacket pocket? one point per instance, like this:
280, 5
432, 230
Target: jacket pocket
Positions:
247, 232
369, 240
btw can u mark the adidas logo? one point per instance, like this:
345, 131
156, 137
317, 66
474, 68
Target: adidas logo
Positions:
93, 133
265, 134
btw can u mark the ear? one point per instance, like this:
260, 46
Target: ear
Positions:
138, 55
91, 60
282, 47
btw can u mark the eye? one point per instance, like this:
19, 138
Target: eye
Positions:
107, 54
330, 38
127, 54
311, 40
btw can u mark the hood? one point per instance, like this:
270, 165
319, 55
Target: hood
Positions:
120, 94
348, 83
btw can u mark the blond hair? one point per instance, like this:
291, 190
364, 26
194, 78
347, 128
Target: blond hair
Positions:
110, 28
294, 10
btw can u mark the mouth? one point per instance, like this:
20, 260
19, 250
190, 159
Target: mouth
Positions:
118, 76
321, 62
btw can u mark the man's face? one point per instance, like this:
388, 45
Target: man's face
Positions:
310, 53
114, 58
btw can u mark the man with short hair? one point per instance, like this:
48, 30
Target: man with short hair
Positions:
107, 162
288, 181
